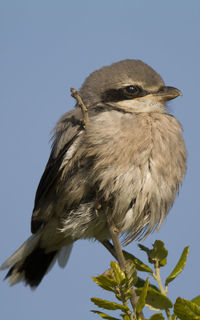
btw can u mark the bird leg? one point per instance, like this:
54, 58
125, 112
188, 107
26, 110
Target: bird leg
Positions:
75, 94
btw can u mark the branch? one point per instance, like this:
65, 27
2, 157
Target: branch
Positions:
75, 94
117, 253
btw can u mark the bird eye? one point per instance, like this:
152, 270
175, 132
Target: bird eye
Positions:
132, 90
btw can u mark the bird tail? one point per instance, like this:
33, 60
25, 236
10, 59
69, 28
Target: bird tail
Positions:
30, 262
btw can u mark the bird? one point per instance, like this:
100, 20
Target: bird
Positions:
126, 163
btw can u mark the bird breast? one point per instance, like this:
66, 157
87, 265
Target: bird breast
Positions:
139, 163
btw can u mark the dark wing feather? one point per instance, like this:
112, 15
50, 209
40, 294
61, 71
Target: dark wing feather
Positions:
66, 133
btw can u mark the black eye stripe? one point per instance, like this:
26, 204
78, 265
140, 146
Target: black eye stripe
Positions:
125, 93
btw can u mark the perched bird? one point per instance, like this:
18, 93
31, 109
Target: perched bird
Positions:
127, 163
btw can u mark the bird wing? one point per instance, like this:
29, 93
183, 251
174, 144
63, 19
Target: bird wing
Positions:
67, 132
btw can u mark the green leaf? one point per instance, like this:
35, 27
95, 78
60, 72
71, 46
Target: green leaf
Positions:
156, 300
157, 316
119, 275
196, 300
140, 266
163, 262
179, 267
109, 305
105, 282
126, 317
131, 275
157, 254
140, 283
143, 248
142, 298
104, 315
186, 309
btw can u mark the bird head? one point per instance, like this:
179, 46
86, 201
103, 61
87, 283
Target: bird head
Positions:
130, 85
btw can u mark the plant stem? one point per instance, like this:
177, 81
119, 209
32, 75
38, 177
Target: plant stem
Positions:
157, 277
169, 316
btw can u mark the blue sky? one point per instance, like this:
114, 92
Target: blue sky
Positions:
47, 47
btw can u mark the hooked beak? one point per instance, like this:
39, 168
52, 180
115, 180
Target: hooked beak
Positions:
166, 93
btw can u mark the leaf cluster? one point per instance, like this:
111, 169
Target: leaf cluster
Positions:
148, 294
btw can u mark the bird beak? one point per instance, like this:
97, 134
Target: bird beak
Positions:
166, 93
